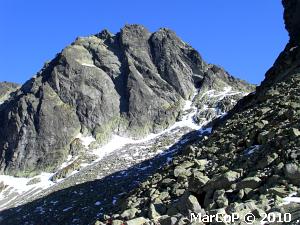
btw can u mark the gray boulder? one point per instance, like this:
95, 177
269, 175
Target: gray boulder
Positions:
292, 172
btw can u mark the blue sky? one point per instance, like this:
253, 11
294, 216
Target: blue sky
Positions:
244, 37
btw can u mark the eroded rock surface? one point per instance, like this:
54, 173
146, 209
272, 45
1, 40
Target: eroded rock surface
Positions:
5, 89
132, 83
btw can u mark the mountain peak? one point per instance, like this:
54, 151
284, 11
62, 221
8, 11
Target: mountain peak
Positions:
104, 34
131, 84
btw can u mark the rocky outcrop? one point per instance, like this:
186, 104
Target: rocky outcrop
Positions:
131, 83
287, 61
292, 19
250, 163
5, 89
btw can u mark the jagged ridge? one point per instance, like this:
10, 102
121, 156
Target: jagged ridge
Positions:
131, 83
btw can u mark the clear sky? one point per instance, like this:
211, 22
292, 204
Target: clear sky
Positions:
243, 36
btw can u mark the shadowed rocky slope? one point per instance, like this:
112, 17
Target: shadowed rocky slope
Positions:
132, 83
250, 163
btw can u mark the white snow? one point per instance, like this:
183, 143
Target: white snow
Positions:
20, 186
115, 143
98, 203
68, 161
291, 199
227, 91
293, 48
114, 201
67, 209
252, 149
88, 64
188, 105
85, 140
118, 142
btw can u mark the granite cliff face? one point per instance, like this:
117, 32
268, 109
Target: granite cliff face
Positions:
132, 84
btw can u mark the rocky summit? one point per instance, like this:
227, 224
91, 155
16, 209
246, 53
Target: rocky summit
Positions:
135, 128
131, 84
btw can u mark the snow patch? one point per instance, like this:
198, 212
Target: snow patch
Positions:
85, 140
293, 48
67, 209
251, 150
98, 203
291, 199
20, 185
17, 186
88, 64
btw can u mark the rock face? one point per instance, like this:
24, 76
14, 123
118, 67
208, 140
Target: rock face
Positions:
252, 157
5, 89
287, 60
131, 83
292, 19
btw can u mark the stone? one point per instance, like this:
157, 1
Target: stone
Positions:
129, 213
164, 195
117, 222
220, 199
201, 163
197, 181
168, 220
188, 203
137, 221
153, 214
99, 223
295, 132
278, 191
222, 181
66, 171
249, 182
266, 160
180, 171
263, 137
292, 172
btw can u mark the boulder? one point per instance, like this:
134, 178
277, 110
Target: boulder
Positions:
187, 204
129, 213
137, 221
222, 181
292, 172
249, 182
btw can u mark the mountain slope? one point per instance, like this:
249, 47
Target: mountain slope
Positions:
250, 163
130, 84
